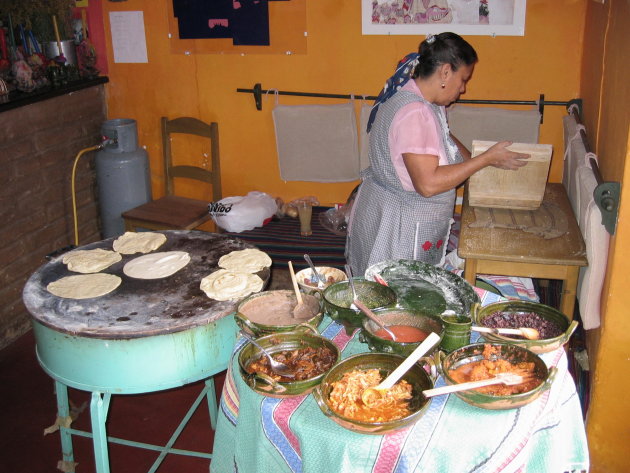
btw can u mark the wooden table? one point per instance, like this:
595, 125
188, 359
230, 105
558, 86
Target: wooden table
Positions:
513, 252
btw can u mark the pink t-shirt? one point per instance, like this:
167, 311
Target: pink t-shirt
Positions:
414, 130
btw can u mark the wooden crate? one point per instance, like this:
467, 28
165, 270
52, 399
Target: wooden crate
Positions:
522, 189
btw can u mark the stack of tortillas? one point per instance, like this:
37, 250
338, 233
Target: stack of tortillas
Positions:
236, 279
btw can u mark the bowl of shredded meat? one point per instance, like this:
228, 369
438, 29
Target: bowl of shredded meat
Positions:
554, 327
339, 393
482, 361
309, 355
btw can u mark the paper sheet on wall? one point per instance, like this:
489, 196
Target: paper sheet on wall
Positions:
128, 38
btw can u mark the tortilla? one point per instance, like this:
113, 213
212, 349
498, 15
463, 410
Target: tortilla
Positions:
250, 260
84, 286
156, 265
90, 261
138, 242
224, 285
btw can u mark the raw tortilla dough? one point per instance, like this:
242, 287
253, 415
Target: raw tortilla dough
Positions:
90, 261
156, 265
224, 285
138, 242
84, 286
250, 260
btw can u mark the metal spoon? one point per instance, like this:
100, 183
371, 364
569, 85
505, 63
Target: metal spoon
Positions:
353, 306
528, 333
372, 316
508, 379
318, 277
276, 366
369, 395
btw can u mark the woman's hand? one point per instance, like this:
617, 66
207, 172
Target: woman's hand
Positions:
500, 157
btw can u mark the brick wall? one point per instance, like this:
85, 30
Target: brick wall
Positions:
38, 145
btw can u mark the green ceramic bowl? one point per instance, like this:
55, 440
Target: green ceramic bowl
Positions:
478, 313
386, 362
275, 343
512, 353
258, 322
338, 297
413, 318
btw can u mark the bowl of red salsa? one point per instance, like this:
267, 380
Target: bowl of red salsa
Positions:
411, 327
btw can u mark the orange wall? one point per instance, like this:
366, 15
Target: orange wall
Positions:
606, 93
338, 60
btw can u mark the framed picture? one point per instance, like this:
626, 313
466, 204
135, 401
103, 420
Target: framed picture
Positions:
464, 17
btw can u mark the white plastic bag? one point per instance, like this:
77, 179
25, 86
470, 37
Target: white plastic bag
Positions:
237, 214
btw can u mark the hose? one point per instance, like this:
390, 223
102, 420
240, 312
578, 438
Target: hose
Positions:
74, 198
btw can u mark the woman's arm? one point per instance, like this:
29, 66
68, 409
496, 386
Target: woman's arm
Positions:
430, 179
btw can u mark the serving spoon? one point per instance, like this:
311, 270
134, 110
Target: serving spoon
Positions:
528, 333
369, 395
508, 379
276, 366
372, 316
318, 277
301, 310
353, 306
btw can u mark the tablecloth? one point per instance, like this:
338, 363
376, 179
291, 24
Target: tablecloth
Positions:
263, 434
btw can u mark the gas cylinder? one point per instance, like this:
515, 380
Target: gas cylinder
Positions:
122, 174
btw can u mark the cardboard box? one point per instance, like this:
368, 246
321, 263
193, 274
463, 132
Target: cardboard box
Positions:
522, 189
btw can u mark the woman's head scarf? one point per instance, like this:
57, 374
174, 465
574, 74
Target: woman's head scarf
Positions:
403, 72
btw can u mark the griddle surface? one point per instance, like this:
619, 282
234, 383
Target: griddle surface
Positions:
139, 307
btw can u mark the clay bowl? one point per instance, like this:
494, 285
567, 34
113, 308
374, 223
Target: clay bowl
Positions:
513, 354
308, 286
269, 312
275, 343
338, 297
510, 308
414, 318
386, 363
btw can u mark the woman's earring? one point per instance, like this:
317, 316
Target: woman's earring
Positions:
443, 85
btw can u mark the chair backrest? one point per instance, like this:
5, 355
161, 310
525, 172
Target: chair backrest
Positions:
192, 126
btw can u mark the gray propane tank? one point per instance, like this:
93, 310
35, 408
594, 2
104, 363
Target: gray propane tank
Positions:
122, 174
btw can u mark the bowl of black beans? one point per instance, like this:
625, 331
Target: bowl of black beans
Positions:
554, 328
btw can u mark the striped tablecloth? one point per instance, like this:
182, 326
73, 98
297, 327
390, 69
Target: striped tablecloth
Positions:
262, 434
282, 241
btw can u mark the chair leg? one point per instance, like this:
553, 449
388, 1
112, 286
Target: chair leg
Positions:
63, 412
98, 412
212, 402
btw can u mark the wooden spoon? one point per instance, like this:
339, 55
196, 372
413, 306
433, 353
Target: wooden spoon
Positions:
301, 310
528, 333
369, 395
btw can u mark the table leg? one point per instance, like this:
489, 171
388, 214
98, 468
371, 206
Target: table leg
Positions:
569, 291
98, 412
212, 402
470, 270
63, 412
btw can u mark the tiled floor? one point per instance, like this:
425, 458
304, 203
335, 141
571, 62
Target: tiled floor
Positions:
28, 406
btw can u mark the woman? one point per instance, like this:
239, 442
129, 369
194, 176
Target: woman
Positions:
405, 204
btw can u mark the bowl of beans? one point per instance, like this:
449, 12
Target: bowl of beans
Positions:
482, 361
308, 281
410, 327
554, 328
339, 395
309, 355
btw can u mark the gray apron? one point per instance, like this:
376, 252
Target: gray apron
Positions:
389, 222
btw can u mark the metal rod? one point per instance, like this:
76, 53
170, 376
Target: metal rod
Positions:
257, 91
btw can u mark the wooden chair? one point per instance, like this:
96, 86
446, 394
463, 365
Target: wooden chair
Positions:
173, 212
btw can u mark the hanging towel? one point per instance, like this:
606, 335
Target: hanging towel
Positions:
597, 241
493, 124
317, 142
574, 157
